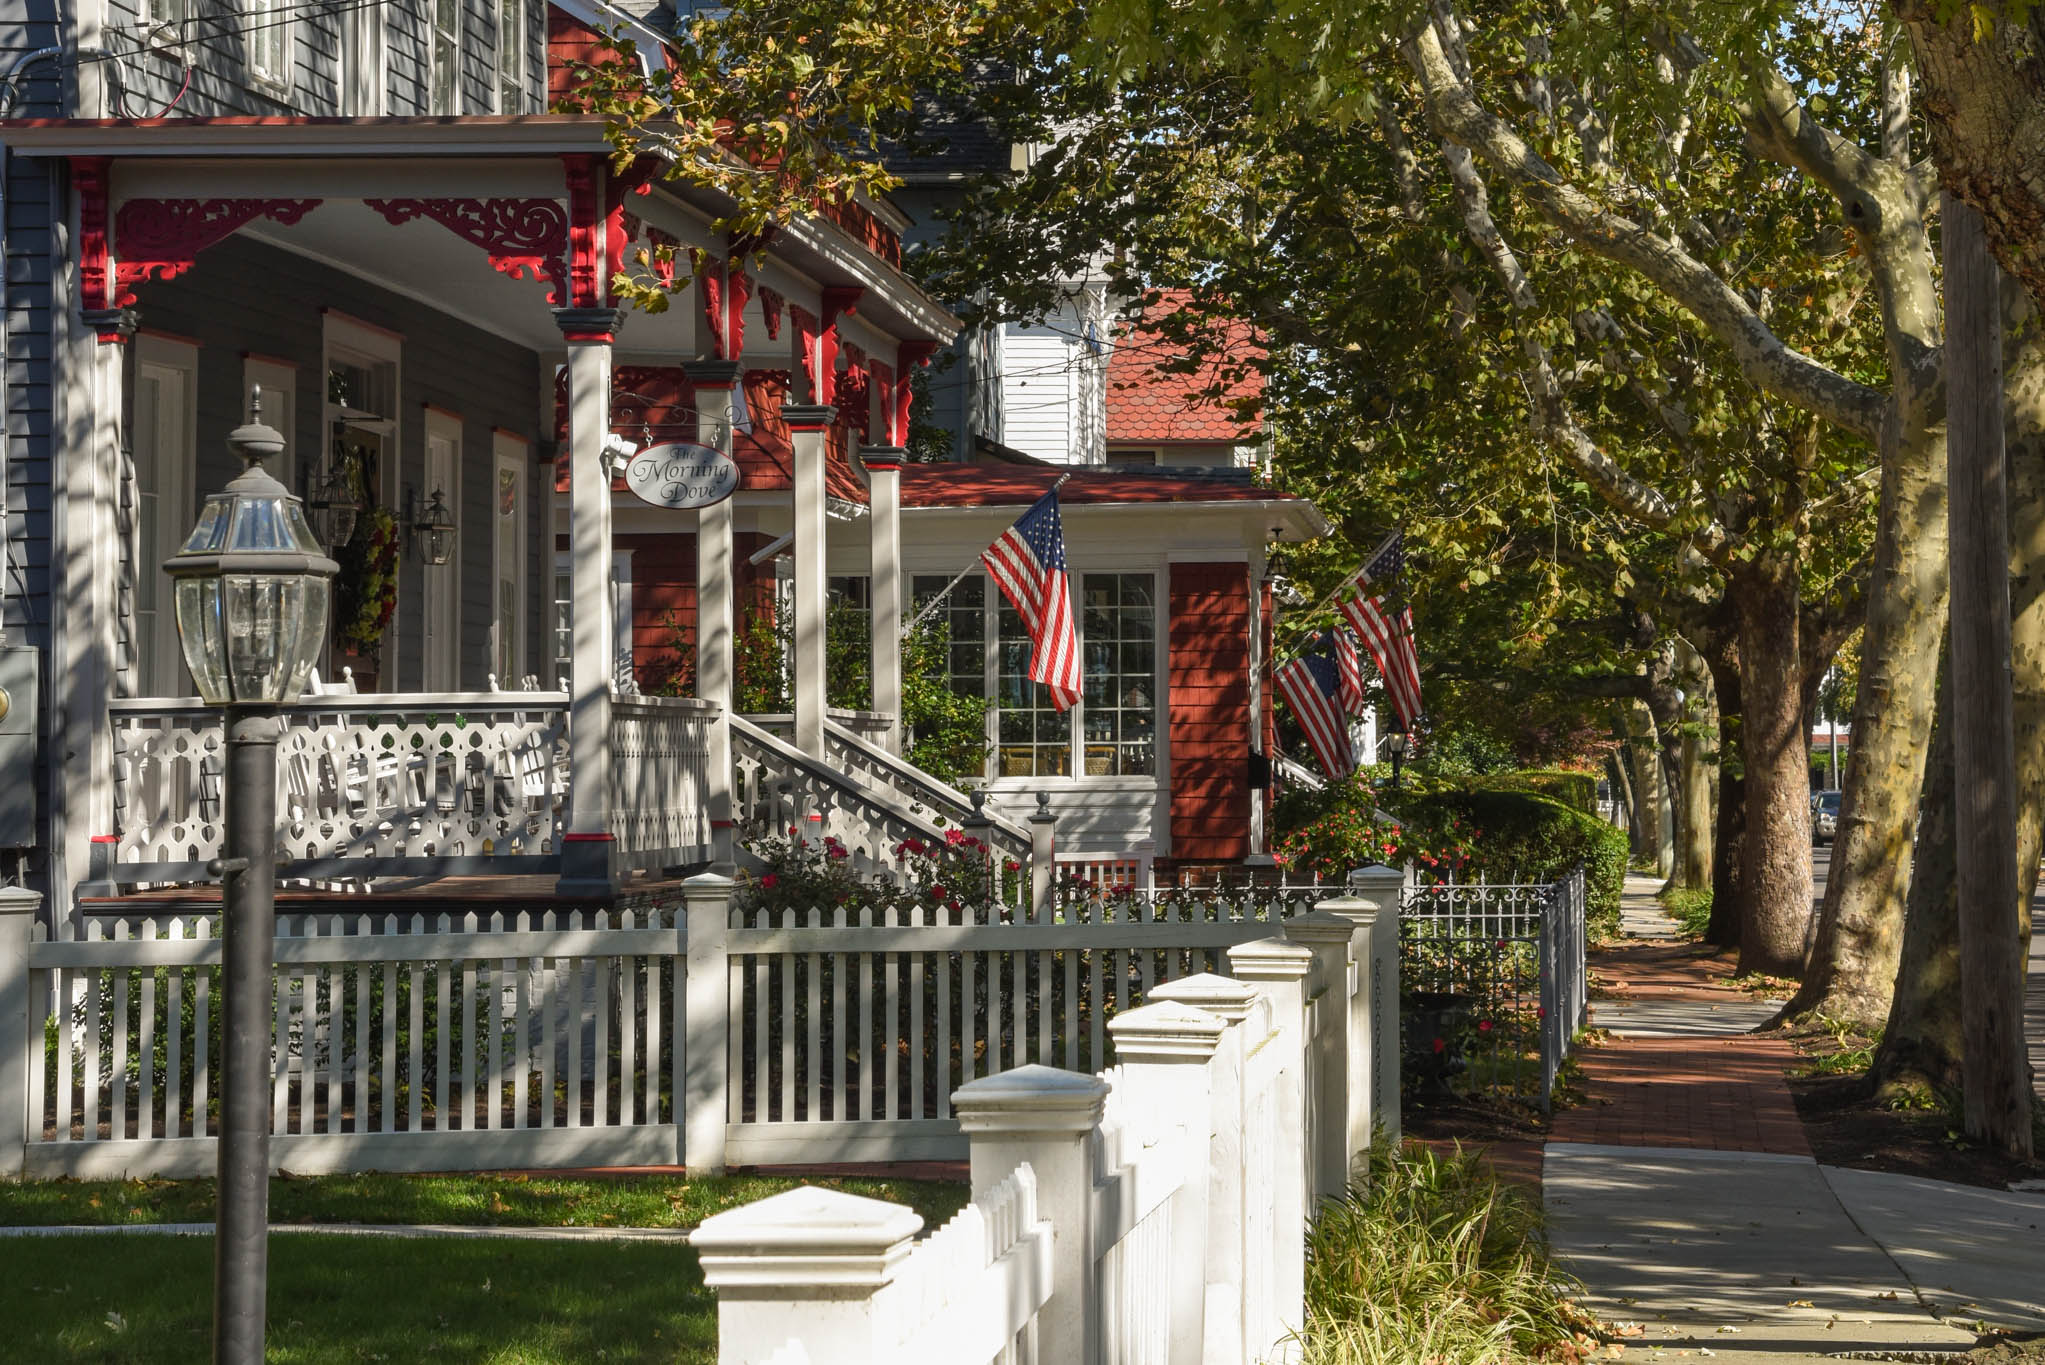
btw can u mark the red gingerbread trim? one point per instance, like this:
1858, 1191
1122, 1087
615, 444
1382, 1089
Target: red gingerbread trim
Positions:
161, 239
89, 179
809, 348
772, 302
910, 356
893, 430
519, 234
710, 274
663, 250
585, 229
738, 287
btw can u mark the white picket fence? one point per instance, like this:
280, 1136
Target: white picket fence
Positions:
688, 1032
1166, 1211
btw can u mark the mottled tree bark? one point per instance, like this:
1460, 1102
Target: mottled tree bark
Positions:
1728, 902
1984, 99
1920, 1049
1695, 769
1776, 861
1651, 827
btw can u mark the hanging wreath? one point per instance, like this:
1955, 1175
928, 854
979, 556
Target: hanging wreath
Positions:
366, 587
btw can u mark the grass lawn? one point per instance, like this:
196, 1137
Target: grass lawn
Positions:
139, 1300
651, 1201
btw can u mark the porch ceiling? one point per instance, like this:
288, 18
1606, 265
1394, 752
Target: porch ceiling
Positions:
423, 260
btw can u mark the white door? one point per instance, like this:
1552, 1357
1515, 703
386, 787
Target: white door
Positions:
165, 452
508, 555
440, 605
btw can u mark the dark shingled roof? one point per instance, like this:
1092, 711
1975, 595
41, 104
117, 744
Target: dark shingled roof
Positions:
953, 485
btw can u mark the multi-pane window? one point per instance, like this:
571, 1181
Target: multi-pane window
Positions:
1118, 635
1112, 731
511, 57
444, 41
268, 35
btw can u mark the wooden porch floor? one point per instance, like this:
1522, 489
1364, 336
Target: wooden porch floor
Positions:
406, 895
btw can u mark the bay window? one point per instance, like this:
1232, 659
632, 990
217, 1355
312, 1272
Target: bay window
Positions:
1111, 731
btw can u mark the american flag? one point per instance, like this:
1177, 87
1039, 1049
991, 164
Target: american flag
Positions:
1385, 562
1028, 564
1354, 702
1390, 642
1310, 687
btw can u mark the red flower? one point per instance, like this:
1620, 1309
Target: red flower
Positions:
937, 893
1440, 1046
770, 881
1484, 1026
955, 837
1010, 865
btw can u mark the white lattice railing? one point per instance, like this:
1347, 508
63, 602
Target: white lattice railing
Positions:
880, 771
777, 786
392, 785
660, 776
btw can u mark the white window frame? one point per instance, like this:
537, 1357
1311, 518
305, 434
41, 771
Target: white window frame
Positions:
171, 502
992, 605
440, 597
622, 667
270, 32
279, 382
364, 62
509, 71
351, 341
436, 55
509, 455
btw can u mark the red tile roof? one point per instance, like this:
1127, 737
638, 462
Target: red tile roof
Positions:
958, 485
1149, 402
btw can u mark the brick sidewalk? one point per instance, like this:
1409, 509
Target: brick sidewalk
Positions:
1721, 1094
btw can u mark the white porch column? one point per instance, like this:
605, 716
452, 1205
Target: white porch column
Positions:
1258, 557
589, 862
809, 425
716, 605
884, 584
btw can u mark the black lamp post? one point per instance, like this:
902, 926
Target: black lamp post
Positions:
1397, 744
252, 588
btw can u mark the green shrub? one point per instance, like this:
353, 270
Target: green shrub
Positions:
1520, 837
1434, 1264
1690, 907
1578, 791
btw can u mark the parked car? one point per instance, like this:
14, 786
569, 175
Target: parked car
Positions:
1824, 816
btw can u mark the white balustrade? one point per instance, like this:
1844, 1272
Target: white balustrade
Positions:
660, 779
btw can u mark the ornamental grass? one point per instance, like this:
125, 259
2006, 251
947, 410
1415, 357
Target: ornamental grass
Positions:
1434, 1263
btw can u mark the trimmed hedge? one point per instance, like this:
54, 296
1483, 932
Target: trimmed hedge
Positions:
1578, 791
1521, 837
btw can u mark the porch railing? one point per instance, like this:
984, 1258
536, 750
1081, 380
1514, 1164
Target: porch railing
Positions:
368, 785
660, 776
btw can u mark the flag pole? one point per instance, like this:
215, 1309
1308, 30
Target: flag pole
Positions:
934, 603
1347, 583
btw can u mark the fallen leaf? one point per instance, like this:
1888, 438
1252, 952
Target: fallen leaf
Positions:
1800, 1303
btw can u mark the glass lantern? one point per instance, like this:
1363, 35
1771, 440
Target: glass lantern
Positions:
252, 584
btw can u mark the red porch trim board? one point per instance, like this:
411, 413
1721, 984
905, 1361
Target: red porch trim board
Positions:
520, 235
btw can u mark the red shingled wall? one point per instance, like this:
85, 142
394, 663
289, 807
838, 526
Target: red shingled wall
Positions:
1210, 705
664, 582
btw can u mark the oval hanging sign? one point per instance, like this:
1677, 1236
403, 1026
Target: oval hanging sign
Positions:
681, 474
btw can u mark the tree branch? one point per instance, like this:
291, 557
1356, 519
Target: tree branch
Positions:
1771, 365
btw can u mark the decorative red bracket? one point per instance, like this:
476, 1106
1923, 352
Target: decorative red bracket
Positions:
818, 340
153, 239
772, 302
585, 224
910, 357
725, 291
520, 235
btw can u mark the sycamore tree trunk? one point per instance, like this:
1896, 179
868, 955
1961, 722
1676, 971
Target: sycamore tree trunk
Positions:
1728, 848
1651, 825
1695, 771
1860, 925
1921, 1045
1776, 859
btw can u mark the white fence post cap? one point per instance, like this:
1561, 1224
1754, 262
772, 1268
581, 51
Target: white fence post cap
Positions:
1355, 909
1218, 995
1270, 959
1166, 1032
1377, 877
1030, 1099
19, 900
1318, 926
806, 1236
707, 884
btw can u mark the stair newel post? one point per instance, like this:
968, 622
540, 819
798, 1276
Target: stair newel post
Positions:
1043, 861
979, 825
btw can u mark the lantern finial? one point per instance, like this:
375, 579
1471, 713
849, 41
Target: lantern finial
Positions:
254, 441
